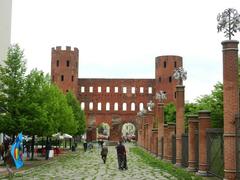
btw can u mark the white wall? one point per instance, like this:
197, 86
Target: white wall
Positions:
5, 27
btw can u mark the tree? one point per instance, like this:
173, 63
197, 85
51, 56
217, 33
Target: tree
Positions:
169, 113
12, 78
212, 102
79, 115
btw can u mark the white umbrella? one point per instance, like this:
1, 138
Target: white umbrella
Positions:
67, 136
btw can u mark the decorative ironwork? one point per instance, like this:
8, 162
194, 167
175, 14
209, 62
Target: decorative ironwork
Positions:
180, 74
142, 112
229, 22
150, 105
215, 155
185, 150
161, 96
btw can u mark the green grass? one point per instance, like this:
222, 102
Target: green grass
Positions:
167, 167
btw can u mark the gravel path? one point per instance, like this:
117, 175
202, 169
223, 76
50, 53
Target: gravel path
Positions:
89, 165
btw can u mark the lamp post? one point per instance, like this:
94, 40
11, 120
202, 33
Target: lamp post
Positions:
180, 75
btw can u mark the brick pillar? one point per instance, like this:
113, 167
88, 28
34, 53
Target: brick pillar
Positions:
204, 123
192, 127
160, 119
171, 132
165, 142
179, 123
145, 132
230, 89
150, 127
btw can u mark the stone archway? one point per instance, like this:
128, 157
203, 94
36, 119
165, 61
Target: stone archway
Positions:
129, 132
103, 131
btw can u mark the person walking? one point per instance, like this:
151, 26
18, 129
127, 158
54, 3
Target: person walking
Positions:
104, 153
85, 144
121, 155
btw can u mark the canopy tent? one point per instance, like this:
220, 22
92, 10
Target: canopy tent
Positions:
58, 136
67, 136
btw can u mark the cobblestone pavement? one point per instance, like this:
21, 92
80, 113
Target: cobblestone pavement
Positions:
89, 165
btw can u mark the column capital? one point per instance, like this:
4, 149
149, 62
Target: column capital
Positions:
180, 87
160, 104
204, 114
192, 118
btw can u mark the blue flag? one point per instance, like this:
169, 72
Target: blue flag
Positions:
16, 151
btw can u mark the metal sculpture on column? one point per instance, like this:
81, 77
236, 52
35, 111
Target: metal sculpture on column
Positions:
180, 75
229, 22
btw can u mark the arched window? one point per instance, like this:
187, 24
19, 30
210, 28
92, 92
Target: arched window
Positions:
107, 106
149, 90
133, 106
99, 106
133, 90
82, 89
124, 107
90, 89
91, 106
99, 89
141, 106
116, 89
107, 89
115, 106
141, 89
82, 105
124, 90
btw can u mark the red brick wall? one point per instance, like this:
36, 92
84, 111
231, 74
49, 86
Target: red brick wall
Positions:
60, 68
163, 74
95, 116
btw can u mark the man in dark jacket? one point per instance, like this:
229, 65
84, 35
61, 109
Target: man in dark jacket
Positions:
121, 154
104, 153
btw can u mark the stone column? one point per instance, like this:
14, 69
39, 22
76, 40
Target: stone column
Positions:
171, 132
165, 142
160, 119
192, 127
204, 123
150, 127
179, 123
230, 89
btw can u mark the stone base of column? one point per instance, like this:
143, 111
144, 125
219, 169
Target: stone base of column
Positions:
202, 173
178, 165
230, 174
191, 169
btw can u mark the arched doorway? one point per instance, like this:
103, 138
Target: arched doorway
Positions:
129, 132
103, 131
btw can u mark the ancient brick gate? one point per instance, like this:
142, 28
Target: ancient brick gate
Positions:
114, 121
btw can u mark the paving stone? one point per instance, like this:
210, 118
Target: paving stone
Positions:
89, 165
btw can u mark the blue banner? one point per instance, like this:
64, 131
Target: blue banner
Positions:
16, 151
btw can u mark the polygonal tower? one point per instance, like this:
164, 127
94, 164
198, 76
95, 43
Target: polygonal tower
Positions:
64, 68
164, 68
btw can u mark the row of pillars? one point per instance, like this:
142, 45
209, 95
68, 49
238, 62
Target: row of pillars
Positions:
200, 123
165, 133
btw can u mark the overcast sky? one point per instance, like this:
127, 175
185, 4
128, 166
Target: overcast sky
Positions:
121, 38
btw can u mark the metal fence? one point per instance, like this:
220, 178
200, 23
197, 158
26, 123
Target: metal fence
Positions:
197, 148
215, 157
174, 149
185, 150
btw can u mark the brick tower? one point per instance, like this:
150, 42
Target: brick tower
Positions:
164, 68
64, 68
